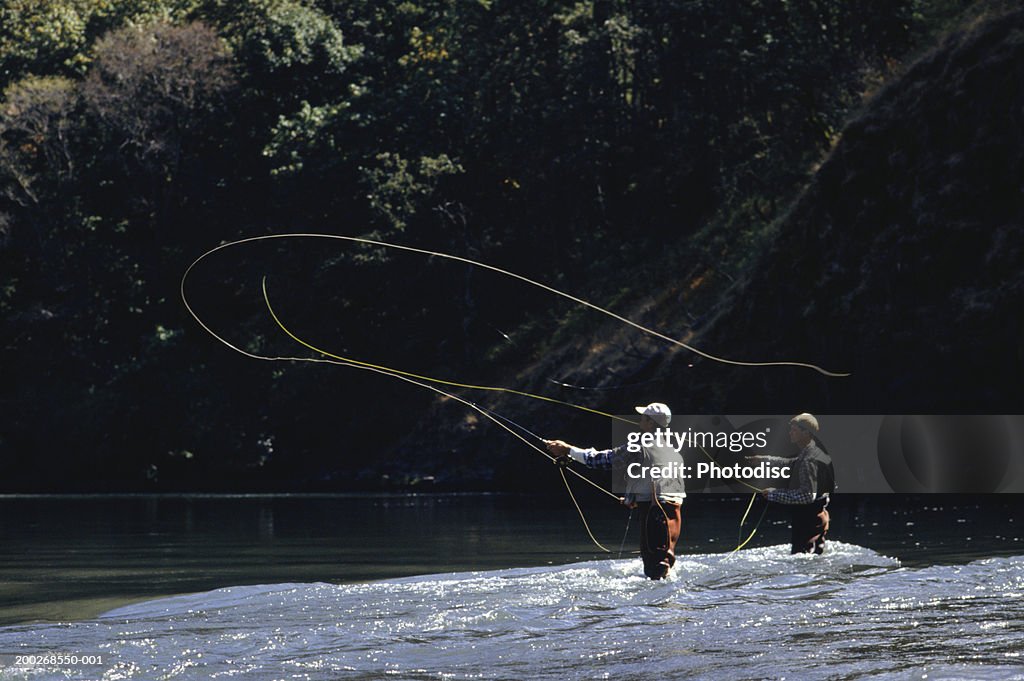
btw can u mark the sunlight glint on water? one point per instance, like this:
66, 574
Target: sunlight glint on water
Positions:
757, 614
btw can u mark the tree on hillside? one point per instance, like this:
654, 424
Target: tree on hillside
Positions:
151, 86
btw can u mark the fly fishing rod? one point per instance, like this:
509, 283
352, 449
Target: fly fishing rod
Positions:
423, 381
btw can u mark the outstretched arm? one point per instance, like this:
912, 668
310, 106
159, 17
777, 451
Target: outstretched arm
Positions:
778, 460
590, 457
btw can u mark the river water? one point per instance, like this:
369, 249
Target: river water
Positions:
310, 588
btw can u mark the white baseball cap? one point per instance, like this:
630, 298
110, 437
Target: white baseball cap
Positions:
659, 413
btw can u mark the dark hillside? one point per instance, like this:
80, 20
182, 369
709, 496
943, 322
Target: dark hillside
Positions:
901, 262
642, 155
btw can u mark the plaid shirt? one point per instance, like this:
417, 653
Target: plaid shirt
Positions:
603, 459
806, 475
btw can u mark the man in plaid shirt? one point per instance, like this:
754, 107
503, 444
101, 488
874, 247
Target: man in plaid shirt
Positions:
812, 481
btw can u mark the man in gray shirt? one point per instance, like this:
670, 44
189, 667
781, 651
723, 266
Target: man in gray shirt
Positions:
659, 500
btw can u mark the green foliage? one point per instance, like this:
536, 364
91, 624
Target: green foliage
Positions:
300, 136
44, 36
55, 36
280, 34
289, 48
555, 138
396, 190
35, 138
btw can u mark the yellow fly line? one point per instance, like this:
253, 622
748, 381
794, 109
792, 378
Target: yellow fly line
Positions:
425, 381
520, 277
397, 372
333, 360
408, 376
744, 520
441, 381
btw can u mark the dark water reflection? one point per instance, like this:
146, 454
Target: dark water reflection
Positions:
69, 558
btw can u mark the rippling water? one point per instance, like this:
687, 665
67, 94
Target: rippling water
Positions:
759, 613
